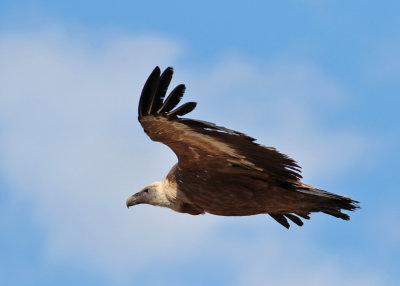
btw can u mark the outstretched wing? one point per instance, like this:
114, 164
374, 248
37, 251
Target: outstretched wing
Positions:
200, 144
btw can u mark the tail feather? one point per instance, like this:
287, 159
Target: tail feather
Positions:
335, 213
322, 201
316, 200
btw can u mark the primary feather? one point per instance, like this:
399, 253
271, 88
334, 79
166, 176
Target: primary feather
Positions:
162, 88
173, 99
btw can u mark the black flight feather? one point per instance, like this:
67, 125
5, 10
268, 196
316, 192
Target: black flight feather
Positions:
153, 94
183, 109
281, 219
173, 99
294, 219
305, 216
162, 88
148, 92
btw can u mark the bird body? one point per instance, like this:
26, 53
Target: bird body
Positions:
222, 171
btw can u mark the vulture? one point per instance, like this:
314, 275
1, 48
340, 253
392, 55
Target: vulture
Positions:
222, 171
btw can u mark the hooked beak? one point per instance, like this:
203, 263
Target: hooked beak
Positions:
131, 201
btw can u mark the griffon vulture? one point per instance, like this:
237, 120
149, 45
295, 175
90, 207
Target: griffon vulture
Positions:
222, 171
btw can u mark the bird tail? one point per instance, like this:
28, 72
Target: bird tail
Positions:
313, 199
318, 200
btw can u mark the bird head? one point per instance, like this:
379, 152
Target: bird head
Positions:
151, 194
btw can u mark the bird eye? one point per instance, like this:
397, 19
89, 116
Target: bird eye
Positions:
146, 190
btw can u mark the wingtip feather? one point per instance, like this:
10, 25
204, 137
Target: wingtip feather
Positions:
281, 219
294, 219
153, 94
165, 80
183, 109
173, 99
148, 91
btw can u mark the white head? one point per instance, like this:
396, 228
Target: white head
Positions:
153, 195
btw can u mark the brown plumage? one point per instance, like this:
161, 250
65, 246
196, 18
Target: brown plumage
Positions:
221, 171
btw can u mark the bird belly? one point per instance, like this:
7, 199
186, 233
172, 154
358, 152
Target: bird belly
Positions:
241, 200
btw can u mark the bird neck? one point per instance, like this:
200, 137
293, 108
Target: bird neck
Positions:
167, 195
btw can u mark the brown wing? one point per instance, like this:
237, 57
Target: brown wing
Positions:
222, 171
196, 142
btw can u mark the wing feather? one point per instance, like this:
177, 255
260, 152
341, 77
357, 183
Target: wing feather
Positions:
294, 219
173, 99
206, 139
281, 219
183, 109
162, 88
149, 92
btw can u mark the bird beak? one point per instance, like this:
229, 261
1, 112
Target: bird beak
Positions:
131, 201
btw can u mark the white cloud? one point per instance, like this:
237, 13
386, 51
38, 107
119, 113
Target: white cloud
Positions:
72, 146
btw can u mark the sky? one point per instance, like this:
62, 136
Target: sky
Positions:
318, 80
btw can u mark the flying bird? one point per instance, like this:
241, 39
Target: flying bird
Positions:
222, 171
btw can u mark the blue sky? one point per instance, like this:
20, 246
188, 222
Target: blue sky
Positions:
319, 80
